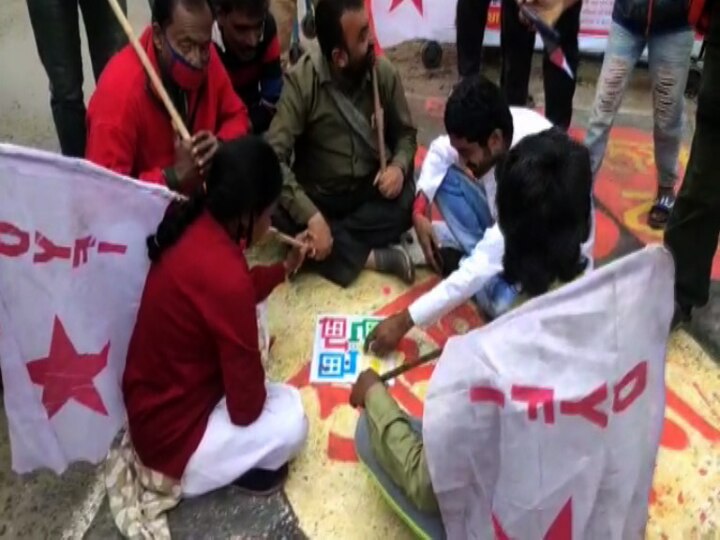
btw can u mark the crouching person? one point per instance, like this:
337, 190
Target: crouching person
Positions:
543, 203
201, 414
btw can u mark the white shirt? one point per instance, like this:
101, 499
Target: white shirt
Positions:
486, 259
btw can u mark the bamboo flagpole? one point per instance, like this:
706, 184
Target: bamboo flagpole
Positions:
379, 121
154, 78
385, 377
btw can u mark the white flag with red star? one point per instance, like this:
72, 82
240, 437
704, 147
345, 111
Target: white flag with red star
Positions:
73, 263
545, 424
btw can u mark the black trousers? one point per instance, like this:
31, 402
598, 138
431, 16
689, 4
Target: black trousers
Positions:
694, 225
56, 26
470, 21
360, 222
517, 42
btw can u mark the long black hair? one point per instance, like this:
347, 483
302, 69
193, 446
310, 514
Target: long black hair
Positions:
244, 180
543, 200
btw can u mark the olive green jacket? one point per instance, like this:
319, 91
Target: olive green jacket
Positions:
323, 132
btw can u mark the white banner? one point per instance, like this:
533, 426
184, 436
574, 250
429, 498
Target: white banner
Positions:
396, 21
546, 423
73, 262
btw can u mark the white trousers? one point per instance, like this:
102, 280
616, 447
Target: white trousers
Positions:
227, 451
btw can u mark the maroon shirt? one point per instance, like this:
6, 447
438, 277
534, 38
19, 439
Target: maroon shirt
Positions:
195, 341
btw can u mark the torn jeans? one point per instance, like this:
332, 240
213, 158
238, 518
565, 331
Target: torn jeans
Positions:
669, 62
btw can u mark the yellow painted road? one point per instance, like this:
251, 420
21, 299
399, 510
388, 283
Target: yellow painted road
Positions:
334, 498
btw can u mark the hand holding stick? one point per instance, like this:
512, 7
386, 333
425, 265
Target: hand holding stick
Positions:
285, 239
154, 79
424, 359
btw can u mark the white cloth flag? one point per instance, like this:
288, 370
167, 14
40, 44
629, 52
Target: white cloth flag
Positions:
73, 262
545, 424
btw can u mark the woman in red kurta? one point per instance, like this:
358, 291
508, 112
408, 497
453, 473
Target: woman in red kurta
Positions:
199, 408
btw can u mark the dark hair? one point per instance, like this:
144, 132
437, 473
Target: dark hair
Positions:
162, 10
254, 8
475, 109
244, 180
328, 26
543, 200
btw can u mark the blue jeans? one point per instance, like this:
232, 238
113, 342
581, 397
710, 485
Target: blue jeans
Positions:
463, 203
669, 61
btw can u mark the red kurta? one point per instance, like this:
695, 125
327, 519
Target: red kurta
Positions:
195, 340
130, 132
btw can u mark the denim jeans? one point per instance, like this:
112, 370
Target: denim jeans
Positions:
464, 206
669, 60
56, 27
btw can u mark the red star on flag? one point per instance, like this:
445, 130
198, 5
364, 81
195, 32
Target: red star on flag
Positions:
65, 374
418, 5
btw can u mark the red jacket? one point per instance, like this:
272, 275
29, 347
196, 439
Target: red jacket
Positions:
195, 341
130, 132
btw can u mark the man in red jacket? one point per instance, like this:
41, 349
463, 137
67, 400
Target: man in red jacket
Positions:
129, 129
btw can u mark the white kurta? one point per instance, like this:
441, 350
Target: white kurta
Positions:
486, 259
227, 451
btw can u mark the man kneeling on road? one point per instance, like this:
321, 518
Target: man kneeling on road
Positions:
479, 275
458, 172
353, 214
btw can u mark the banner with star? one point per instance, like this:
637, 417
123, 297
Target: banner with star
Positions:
73, 262
397, 21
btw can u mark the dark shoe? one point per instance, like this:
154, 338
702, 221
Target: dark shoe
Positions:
661, 209
681, 316
450, 260
262, 482
396, 261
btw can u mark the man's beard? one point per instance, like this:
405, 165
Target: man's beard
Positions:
479, 171
357, 71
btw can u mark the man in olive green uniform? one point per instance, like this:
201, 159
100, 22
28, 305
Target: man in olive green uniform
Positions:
323, 132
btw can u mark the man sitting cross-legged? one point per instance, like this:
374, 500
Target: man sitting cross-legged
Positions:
324, 134
543, 201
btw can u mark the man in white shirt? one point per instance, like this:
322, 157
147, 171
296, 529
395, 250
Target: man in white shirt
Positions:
483, 264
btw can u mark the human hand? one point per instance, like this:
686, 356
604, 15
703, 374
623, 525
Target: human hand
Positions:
428, 241
185, 169
296, 256
320, 236
204, 146
548, 10
362, 386
386, 336
390, 181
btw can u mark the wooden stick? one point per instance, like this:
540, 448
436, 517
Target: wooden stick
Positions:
284, 238
379, 120
410, 365
154, 79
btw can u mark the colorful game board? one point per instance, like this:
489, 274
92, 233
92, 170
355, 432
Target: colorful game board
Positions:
338, 355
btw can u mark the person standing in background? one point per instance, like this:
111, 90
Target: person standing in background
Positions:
661, 25
56, 27
517, 41
470, 21
694, 225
